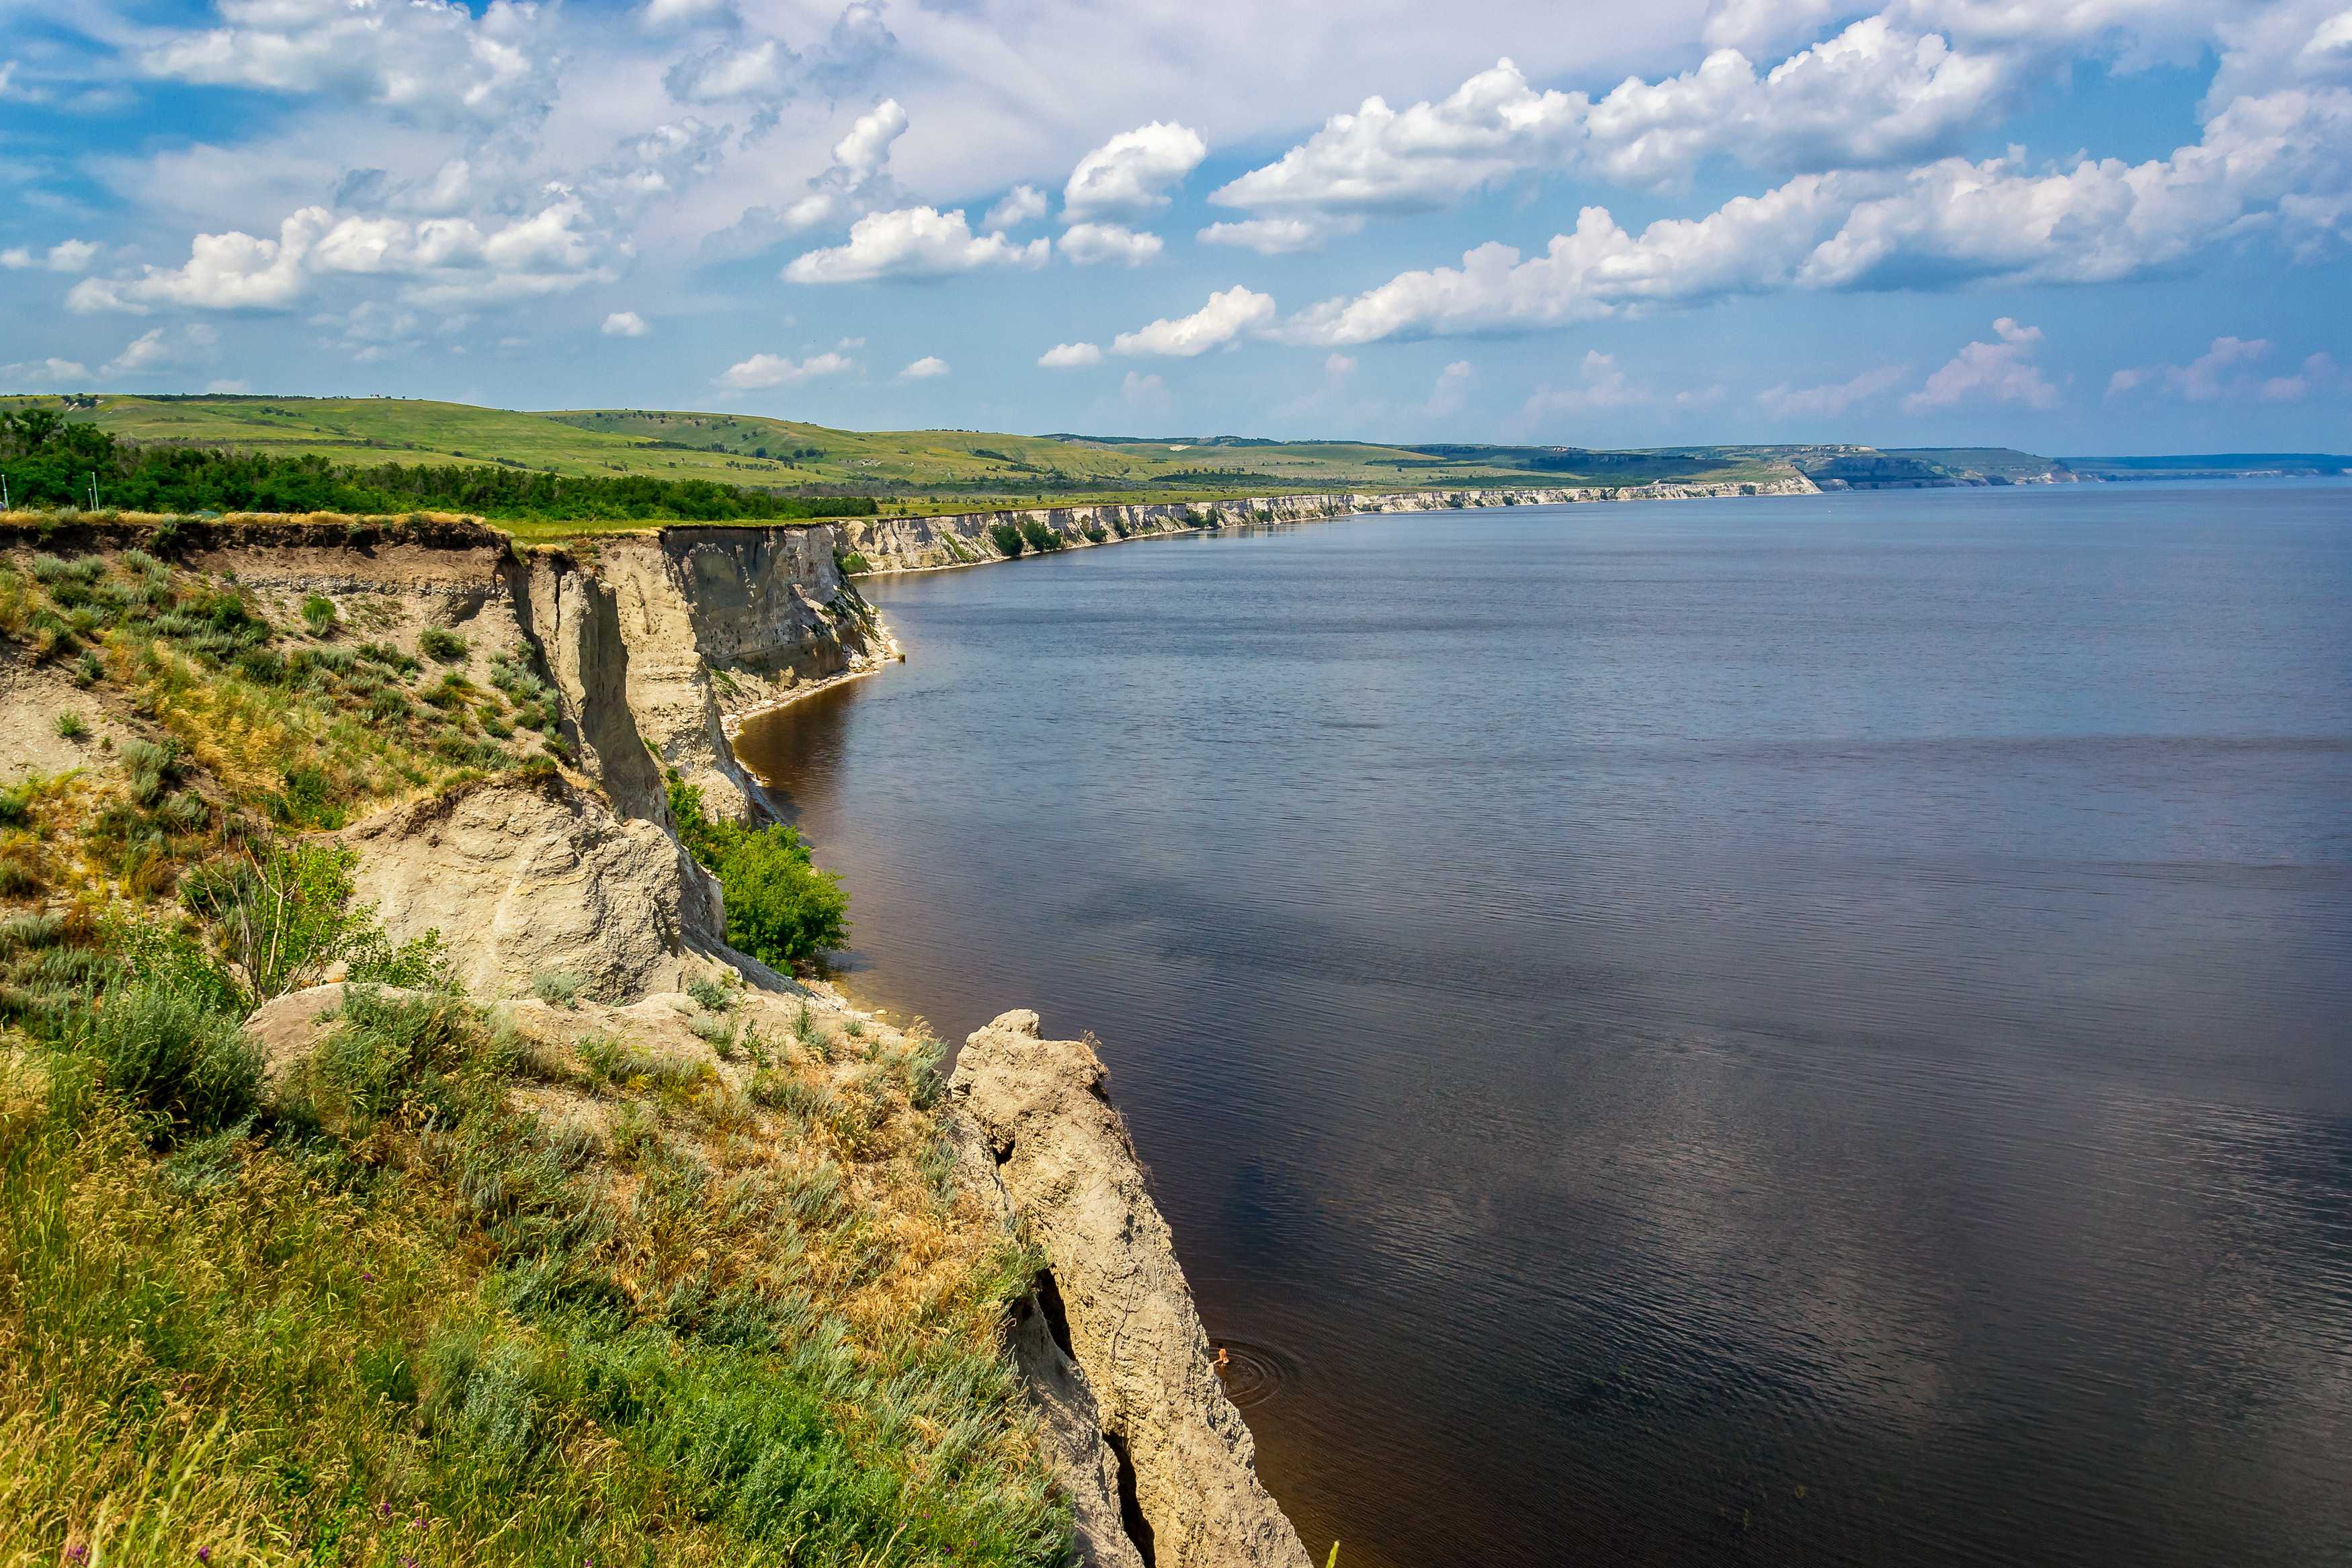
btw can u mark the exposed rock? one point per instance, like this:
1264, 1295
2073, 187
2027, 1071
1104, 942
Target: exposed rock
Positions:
1068, 1168
963, 539
525, 874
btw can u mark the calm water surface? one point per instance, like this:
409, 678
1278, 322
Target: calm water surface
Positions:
1795, 1031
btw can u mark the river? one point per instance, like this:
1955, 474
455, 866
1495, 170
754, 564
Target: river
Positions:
1794, 1030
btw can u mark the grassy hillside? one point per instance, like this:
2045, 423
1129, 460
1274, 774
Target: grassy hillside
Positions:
521, 1285
929, 471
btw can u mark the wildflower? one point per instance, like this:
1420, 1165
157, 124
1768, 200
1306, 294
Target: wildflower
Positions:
203, 1553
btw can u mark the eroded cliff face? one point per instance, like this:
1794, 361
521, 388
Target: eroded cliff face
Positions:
654, 639
964, 538
1116, 1304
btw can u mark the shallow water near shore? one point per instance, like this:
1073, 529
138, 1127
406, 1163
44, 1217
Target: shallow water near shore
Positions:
1792, 1030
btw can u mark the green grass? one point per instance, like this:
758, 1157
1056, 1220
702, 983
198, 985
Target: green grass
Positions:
911, 472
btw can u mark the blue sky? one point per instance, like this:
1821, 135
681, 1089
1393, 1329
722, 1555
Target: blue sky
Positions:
2071, 225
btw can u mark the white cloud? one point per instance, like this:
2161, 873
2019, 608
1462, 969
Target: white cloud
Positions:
7, 75
1753, 25
1602, 383
1070, 357
1279, 236
444, 261
1872, 95
1429, 155
1221, 321
732, 72
66, 256
773, 371
1336, 365
2319, 374
1787, 401
1022, 205
1144, 392
1132, 172
924, 368
2275, 162
913, 241
232, 271
1999, 371
1086, 245
431, 60
143, 353
858, 180
661, 14
1451, 392
626, 324
47, 375
2228, 369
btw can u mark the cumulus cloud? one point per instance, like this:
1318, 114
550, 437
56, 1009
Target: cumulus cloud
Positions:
1600, 383
1132, 172
1022, 205
2229, 368
2276, 162
733, 71
1279, 236
1451, 393
626, 324
661, 14
66, 256
1223, 320
1070, 356
1875, 94
925, 368
1999, 372
145, 352
1787, 401
1087, 245
442, 261
774, 370
47, 375
858, 180
911, 243
431, 60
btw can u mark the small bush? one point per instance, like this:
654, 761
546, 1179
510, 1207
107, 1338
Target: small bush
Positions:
781, 908
1039, 537
556, 987
88, 671
170, 1051
1007, 540
442, 644
281, 913
71, 725
319, 615
711, 994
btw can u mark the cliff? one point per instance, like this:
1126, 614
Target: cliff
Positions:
964, 538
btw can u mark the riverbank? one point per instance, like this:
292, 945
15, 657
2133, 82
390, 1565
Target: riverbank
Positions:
885, 545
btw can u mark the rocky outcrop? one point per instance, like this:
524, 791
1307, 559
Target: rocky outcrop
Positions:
527, 875
965, 538
653, 640
1116, 1305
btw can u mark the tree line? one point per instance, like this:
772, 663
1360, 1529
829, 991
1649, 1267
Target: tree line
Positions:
50, 461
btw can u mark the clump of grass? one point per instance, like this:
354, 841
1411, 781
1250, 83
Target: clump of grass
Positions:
713, 994
556, 987
71, 725
318, 614
442, 645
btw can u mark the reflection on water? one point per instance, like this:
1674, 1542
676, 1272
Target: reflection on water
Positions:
1801, 1030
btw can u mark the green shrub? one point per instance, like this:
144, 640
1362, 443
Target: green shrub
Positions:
712, 994
440, 643
71, 725
556, 987
318, 614
1039, 537
781, 908
851, 563
174, 1051
1007, 539
280, 913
